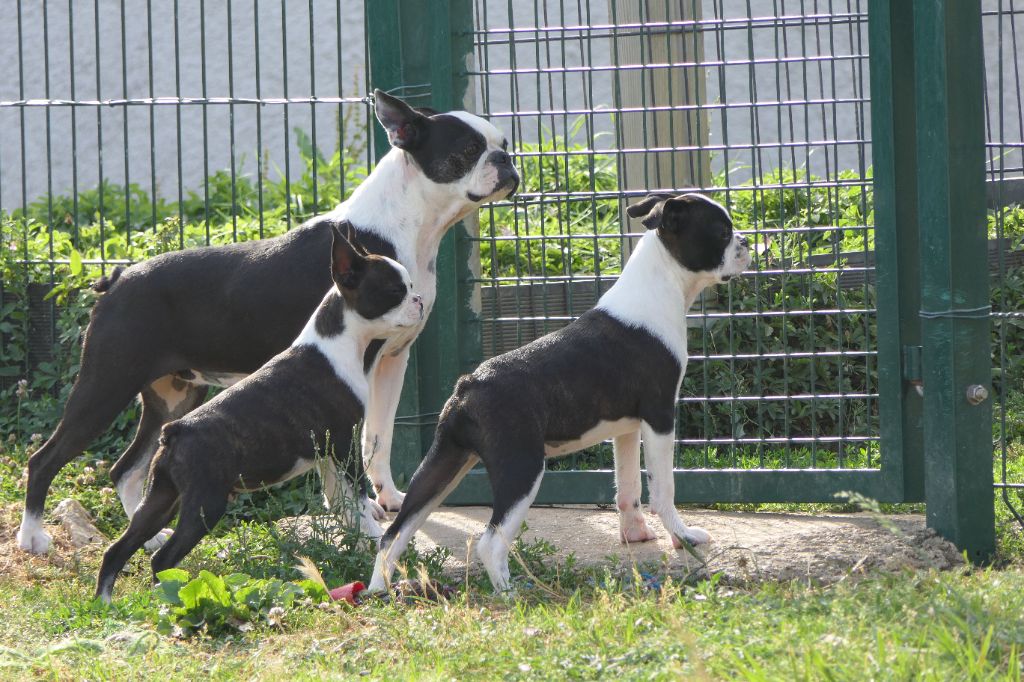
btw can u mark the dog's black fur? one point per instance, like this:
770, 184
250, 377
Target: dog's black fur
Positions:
518, 408
220, 312
256, 432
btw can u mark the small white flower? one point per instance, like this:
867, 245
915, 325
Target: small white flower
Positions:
275, 616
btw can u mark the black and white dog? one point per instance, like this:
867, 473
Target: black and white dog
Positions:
269, 426
613, 373
168, 328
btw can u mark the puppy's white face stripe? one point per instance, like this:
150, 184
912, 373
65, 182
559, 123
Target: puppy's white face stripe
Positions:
406, 278
493, 136
485, 181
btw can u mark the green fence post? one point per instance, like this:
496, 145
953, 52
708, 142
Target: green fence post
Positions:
419, 51
894, 157
956, 355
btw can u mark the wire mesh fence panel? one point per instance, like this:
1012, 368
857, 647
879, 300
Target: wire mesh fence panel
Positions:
763, 107
130, 129
1003, 20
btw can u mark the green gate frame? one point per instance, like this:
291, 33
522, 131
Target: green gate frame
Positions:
926, 66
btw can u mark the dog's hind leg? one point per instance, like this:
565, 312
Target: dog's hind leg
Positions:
632, 525
440, 471
96, 398
164, 400
379, 427
202, 506
156, 510
515, 476
658, 451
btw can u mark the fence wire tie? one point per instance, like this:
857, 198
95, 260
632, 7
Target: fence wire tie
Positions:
980, 313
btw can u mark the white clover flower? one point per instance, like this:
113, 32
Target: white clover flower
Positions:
275, 616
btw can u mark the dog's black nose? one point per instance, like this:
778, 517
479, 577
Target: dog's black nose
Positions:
744, 242
500, 158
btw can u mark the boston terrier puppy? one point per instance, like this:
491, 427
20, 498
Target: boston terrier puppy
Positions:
168, 328
268, 427
613, 373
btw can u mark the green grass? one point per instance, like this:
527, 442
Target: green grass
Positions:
567, 622
574, 623
909, 626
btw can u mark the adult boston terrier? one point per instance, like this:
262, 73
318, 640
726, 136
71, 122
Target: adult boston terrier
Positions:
167, 328
268, 427
613, 373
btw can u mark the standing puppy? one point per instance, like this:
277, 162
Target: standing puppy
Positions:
267, 428
613, 373
168, 328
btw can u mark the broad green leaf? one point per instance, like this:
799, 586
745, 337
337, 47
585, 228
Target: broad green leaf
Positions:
76, 262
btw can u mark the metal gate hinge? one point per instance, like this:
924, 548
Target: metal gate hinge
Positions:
912, 367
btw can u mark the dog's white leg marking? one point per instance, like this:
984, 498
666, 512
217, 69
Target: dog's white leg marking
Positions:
384, 566
658, 451
339, 497
494, 545
31, 536
378, 429
172, 392
632, 525
130, 489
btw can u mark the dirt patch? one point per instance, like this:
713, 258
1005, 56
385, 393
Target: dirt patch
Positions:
18, 565
745, 547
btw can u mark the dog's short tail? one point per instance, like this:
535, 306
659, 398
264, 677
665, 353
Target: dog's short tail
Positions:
104, 283
168, 433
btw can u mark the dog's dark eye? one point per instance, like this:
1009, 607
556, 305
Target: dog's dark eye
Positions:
474, 149
504, 145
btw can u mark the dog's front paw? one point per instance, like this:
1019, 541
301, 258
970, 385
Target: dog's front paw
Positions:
377, 511
390, 499
368, 522
158, 540
36, 541
636, 531
692, 535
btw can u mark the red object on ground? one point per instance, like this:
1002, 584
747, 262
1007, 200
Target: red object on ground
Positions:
348, 592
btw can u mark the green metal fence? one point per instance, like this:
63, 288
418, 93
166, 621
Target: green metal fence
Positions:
1004, 127
768, 111
847, 137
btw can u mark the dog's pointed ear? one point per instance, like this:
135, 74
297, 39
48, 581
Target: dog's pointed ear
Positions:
346, 262
353, 239
404, 124
649, 209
